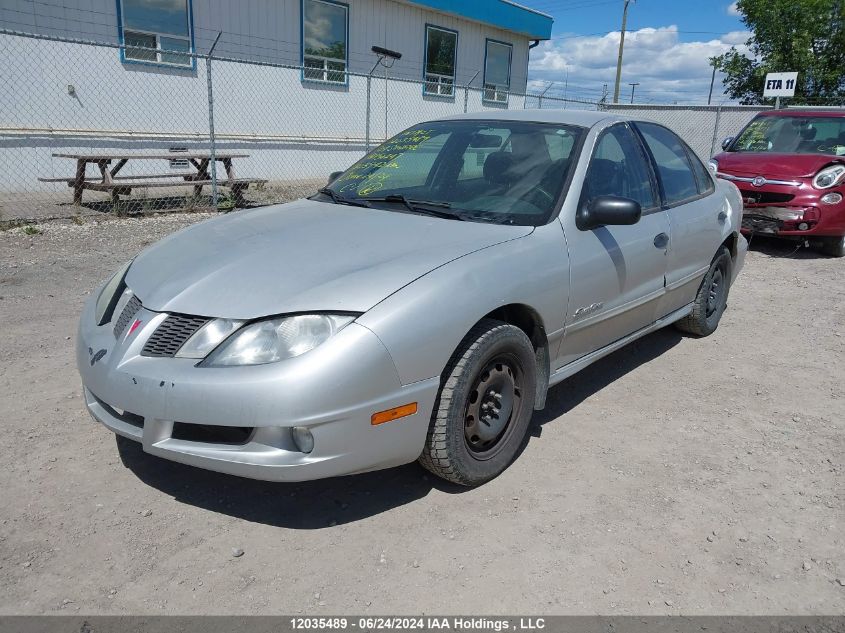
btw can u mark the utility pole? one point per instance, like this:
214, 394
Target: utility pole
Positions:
633, 86
621, 48
712, 79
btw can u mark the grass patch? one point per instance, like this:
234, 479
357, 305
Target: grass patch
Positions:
31, 229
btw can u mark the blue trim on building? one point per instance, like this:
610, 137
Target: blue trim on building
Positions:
319, 82
140, 62
450, 97
499, 13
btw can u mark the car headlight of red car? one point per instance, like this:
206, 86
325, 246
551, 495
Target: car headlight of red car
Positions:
829, 177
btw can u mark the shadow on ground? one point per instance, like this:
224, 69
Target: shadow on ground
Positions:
328, 502
783, 248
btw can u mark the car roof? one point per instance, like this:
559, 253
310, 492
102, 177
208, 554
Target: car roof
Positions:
820, 112
581, 118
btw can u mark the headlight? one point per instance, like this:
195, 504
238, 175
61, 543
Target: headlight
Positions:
110, 294
829, 177
714, 166
273, 340
207, 338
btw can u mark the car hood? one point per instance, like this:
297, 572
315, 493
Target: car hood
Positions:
752, 164
301, 256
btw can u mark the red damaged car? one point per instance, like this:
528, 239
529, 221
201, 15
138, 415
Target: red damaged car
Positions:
789, 166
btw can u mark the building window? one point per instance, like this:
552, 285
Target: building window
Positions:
157, 31
441, 49
325, 28
497, 71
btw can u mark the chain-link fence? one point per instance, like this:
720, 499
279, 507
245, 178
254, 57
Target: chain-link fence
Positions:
90, 126
128, 129
703, 127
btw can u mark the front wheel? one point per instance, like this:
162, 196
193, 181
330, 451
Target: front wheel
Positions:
712, 298
833, 246
486, 400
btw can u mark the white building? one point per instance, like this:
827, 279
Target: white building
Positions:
292, 91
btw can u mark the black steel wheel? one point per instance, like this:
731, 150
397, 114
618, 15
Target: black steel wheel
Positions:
712, 298
481, 418
494, 401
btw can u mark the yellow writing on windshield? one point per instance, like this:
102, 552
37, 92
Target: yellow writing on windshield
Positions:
373, 172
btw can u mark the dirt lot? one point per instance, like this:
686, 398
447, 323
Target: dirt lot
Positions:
676, 476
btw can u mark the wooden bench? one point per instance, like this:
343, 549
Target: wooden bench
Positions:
123, 185
119, 185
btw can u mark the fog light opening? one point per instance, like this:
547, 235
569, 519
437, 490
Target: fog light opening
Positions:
302, 439
803, 226
832, 198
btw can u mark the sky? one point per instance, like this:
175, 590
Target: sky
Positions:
667, 47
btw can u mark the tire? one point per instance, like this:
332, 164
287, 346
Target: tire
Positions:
482, 413
712, 298
833, 246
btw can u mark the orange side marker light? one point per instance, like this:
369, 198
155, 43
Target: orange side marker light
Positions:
393, 414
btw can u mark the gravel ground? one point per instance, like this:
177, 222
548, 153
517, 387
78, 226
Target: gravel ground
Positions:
675, 476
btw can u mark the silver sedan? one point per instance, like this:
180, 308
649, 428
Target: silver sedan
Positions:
419, 306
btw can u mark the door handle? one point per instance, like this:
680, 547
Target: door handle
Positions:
722, 216
661, 240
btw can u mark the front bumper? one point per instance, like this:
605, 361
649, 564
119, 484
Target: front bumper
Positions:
790, 210
332, 390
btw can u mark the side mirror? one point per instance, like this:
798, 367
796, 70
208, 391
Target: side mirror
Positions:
334, 176
726, 143
608, 211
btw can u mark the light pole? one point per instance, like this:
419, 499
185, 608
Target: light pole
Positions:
382, 54
712, 79
621, 48
633, 86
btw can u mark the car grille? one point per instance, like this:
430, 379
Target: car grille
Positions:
209, 434
172, 334
765, 197
129, 311
757, 223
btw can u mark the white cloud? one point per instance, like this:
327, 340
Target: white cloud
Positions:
735, 38
733, 9
666, 68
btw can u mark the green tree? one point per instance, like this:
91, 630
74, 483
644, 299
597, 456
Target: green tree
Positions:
807, 36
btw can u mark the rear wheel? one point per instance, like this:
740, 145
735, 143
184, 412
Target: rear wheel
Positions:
486, 400
712, 298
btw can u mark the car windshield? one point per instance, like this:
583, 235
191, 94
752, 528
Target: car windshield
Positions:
509, 172
793, 135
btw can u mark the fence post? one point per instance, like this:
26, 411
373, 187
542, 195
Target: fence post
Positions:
369, 107
716, 129
385, 104
367, 124
542, 94
466, 90
212, 141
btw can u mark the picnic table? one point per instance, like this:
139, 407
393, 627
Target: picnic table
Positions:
119, 185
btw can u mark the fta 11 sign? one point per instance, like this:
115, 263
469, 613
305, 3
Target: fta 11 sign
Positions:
780, 85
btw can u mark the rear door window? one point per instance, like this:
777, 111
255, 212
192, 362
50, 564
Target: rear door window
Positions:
702, 174
673, 165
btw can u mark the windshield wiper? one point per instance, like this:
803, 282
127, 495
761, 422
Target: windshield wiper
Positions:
421, 206
338, 199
